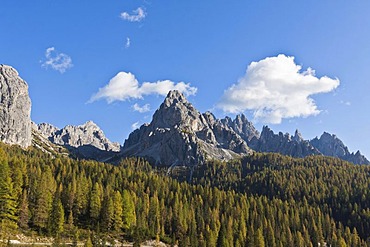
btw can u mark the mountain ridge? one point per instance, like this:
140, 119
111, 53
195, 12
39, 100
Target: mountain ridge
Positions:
234, 137
85, 141
177, 135
181, 135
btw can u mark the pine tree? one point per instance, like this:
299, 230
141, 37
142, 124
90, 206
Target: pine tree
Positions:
128, 210
88, 242
44, 199
107, 214
298, 239
117, 222
56, 217
222, 238
8, 203
342, 243
23, 212
153, 219
258, 240
270, 236
95, 203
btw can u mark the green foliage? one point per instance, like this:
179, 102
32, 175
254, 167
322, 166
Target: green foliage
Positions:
7, 200
117, 222
261, 200
128, 210
56, 217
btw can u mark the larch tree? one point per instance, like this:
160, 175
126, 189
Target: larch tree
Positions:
8, 204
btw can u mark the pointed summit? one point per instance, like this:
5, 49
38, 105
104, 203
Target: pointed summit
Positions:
177, 111
173, 97
180, 135
298, 136
330, 145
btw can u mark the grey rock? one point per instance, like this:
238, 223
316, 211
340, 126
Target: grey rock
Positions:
85, 141
15, 108
283, 143
298, 137
296, 146
241, 126
85, 134
41, 141
180, 135
45, 129
331, 145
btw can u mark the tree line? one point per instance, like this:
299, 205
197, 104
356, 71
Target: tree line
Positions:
256, 201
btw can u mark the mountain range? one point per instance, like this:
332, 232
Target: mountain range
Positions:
178, 135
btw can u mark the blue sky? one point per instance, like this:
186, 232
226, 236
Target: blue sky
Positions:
77, 60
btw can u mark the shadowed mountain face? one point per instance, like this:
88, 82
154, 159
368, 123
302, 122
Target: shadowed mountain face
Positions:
285, 144
181, 135
331, 145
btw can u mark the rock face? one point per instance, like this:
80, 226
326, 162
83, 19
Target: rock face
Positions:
241, 126
296, 146
331, 145
15, 108
181, 135
285, 144
85, 141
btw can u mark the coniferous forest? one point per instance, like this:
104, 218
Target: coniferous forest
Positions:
260, 200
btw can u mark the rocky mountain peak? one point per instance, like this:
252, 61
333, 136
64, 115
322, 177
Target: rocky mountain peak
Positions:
177, 112
244, 128
298, 136
180, 135
175, 97
86, 140
15, 108
45, 129
330, 145
286, 144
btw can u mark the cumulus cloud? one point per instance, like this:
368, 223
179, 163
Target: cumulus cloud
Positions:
125, 86
275, 88
128, 43
141, 109
137, 15
57, 61
135, 125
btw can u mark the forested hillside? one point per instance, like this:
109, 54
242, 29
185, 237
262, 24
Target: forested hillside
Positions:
261, 200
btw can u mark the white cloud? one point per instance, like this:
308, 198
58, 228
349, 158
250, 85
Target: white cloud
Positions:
135, 126
138, 15
347, 103
141, 109
275, 88
124, 86
128, 43
57, 61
